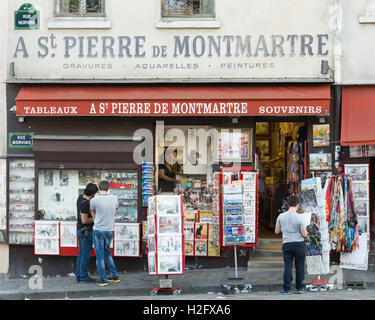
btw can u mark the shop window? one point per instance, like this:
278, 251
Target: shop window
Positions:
58, 191
188, 8
79, 8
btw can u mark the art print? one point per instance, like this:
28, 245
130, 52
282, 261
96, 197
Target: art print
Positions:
249, 220
151, 264
190, 215
48, 178
46, 246
169, 224
251, 211
249, 238
151, 224
264, 146
151, 243
68, 231
360, 190
363, 151
46, 230
213, 249
189, 230
232, 198
320, 161
321, 135
357, 172
201, 231
234, 240
233, 219
170, 244
201, 248
206, 216
128, 248
64, 178
189, 247
358, 259
234, 230
233, 145
248, 195
363, 226
168, 264
127, 231
145, 230
314, 264
249, 229
362, 207
261, 128
249, 203
168, 205
213, 231
251, 186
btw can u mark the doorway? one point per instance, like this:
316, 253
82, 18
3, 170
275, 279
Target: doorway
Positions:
280, 156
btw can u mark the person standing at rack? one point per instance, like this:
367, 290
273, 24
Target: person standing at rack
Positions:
103, 208
290, 223
85, 223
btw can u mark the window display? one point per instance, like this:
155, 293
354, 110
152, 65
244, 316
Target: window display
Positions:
59, 189
21, 201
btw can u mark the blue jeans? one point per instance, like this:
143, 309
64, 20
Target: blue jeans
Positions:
84, 254
294, 251
102, 242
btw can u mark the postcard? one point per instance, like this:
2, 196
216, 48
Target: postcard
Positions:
168, 205
128, 248
201, 230
169, 224
68, 231
151, 263
189, 247
170, 244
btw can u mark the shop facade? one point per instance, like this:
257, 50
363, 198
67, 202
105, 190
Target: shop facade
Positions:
72, 121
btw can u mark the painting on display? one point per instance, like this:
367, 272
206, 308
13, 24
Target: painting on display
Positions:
321, 135
233, 145
357, 172
320, 161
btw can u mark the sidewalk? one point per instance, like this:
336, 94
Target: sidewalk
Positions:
200, 281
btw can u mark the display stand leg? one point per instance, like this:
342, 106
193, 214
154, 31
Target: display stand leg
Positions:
236, 285
319, 285
166, 286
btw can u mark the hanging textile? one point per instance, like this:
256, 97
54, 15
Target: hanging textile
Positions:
341, 214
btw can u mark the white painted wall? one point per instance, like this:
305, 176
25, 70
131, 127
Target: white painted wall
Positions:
358, 49
142, 18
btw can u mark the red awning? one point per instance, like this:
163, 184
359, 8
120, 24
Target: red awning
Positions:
358, 116
173, 100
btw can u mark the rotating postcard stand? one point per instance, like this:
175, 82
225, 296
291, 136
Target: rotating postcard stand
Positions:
239, 218
165, 240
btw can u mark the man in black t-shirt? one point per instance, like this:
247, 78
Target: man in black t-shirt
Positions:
84, 233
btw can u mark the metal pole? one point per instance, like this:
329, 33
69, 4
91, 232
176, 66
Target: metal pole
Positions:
235, 260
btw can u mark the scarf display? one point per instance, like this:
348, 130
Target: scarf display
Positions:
341, 214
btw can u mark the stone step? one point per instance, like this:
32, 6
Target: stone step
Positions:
265, 263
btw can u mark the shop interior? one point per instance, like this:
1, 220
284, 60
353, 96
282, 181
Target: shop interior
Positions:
280, 153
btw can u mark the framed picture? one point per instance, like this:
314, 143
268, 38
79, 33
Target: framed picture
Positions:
168, 205
362, 207
358, 172
127, 231
363, 225
264, 146
189, 248
169, 224
46, 230
261, 128
361, 190
46, 246
170, 264
68, 232
233, 145
321, 135
169, 244
362, 151
127, 248
320, 161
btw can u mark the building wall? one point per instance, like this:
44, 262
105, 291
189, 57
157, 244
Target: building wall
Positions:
358, 49
160, 50
4, 249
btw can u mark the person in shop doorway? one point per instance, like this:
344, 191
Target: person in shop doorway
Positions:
290, 223
85, 223
103, 208
167, 172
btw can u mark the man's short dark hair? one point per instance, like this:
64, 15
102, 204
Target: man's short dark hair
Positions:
293, 201
90, 189
103, 185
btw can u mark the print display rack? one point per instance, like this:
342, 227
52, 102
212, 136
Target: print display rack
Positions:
165, 228
60, 238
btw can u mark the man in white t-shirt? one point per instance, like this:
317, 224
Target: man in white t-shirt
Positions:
293, 229
103, 210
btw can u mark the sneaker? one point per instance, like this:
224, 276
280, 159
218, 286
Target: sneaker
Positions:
89, 280
284, 292
102, 283
114, 279
300, 291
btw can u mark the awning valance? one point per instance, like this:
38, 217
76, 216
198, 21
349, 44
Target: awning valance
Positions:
358, 116
174, 100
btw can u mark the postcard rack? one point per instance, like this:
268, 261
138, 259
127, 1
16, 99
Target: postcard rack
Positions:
165, 225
